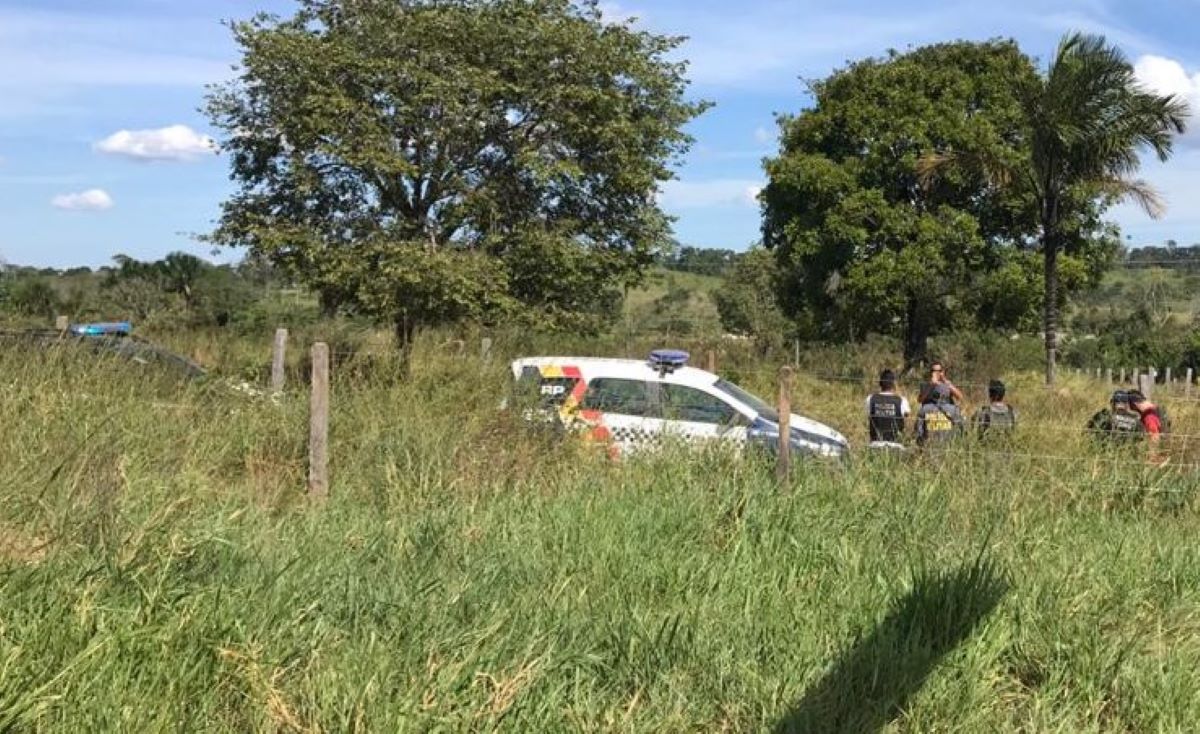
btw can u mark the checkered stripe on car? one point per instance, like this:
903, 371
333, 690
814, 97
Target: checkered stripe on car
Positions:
634, 434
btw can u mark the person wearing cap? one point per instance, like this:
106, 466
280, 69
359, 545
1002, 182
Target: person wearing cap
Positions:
886, 411
997, 417
938, 419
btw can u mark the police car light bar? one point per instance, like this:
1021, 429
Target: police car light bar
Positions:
111, 328
668, 360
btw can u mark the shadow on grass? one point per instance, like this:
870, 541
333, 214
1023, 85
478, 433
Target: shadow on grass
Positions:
872, 680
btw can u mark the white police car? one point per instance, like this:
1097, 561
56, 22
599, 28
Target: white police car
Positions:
633, 404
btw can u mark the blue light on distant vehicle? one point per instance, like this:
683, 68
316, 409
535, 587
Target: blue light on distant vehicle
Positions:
109, 328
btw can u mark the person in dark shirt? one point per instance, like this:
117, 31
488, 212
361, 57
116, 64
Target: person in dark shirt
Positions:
886, 411
1131, 418
997, 418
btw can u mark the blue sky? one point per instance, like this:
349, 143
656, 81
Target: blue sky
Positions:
102, 149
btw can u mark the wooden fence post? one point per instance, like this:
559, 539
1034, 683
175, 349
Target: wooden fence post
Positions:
278, 355
710, 361
1167, 378
1108, 377
1122, 375
1146, 385
1187, 390
783, 466
61, 324
797, 360
485, 349
318, 424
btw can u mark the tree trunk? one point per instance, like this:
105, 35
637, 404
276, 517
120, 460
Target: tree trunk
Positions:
1050, 305
406, 331
330, 300
916, 337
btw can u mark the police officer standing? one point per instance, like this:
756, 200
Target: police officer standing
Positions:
886, 411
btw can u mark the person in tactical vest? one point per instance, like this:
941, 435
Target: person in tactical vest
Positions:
886, 411
939, 420
1129, 417
997, 417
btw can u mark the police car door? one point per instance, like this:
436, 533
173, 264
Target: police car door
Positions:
696, 415
623, 411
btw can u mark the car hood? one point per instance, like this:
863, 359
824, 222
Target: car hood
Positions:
808, 425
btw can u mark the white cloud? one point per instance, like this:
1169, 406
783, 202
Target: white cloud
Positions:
611, 12
92, 200
739, 192
172, 143
763, 135
1168, 76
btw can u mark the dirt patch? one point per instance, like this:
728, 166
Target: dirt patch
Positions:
17, 546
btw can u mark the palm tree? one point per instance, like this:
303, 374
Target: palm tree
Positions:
1088, 120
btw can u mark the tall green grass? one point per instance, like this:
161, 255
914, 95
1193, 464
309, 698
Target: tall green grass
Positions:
161, 570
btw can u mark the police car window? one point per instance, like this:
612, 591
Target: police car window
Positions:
682, 403
757, 404
625, 397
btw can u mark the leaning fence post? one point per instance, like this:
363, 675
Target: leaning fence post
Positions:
318, 424
278, 355
783, 466
1146, 385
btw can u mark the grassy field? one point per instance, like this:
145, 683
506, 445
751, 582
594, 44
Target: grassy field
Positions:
162, 571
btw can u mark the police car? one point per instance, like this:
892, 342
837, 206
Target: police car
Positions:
632, 404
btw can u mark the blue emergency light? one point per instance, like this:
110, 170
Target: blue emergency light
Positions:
108, 328
668, 360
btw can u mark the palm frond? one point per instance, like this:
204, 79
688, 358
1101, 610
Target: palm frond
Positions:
995, 170
1136, 190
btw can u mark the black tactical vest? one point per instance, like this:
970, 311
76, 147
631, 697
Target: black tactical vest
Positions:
1126, 423
885, 418
998, 417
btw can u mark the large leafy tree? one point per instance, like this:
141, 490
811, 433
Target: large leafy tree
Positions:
1087, 120
388, 152
864, 245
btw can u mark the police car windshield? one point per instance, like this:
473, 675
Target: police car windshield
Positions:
760, 406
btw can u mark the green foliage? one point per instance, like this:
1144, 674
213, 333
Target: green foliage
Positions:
411, 284
33, 296
1087, 121
747, 300
863, 246
472, 127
